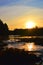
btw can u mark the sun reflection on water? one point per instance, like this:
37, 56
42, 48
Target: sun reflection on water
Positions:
26, 46
30, 46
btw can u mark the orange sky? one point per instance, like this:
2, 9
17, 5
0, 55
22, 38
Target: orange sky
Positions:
16, 15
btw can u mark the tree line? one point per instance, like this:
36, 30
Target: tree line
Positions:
4, 30
29, 32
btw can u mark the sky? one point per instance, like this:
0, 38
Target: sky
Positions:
17, 12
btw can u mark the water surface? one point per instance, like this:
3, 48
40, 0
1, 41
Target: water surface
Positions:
15, 42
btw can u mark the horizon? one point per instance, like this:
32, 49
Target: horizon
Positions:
16, 13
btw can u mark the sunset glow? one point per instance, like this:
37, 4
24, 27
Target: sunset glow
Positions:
18, 12
30, 24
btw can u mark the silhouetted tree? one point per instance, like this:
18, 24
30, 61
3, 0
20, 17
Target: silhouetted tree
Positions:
6, 29
3, 28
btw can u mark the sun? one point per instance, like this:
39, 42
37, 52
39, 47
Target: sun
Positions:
30, 24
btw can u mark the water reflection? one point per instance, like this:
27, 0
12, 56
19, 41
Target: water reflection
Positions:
12, 42
16, 36
13, 38
30, 46
26, 46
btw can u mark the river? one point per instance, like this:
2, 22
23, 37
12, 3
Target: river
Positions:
14, 42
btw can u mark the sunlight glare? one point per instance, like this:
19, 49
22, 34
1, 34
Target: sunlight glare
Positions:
30, 24
30, 46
